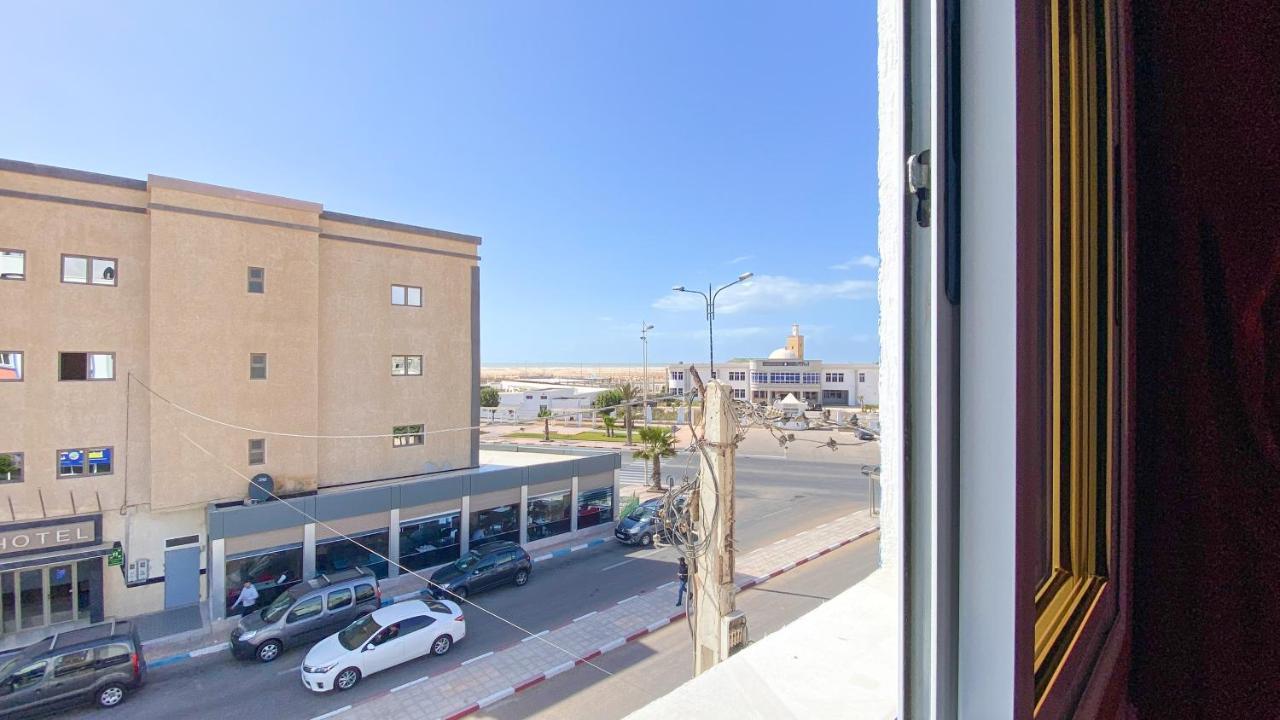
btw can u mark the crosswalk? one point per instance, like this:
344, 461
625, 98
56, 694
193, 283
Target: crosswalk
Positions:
633, 473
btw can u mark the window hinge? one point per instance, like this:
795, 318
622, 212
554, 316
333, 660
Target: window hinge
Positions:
918, 180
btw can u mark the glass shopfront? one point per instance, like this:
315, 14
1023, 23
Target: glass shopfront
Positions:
271, 572
499, 523
595, 507
364, 550
430, 541
548, 515
37, 597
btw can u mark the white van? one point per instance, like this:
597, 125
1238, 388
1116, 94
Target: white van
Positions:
388, 637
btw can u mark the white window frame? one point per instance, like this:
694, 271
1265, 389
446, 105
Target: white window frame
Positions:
89, 262
405, 366
409, 439
406, 295
19, 276
88, 355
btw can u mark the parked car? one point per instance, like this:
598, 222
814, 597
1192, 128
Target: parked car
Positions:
485, 566
305, 612
390, 636
641, 525
101, 663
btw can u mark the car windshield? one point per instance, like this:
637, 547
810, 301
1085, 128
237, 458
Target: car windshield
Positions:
358, 633
643, 512
467, 561
277, 609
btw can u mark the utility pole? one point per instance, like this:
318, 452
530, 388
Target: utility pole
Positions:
644, 384
718, 629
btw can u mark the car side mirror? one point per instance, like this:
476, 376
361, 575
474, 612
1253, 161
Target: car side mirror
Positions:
369, 647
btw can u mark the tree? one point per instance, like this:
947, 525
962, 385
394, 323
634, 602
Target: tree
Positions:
656, 443
488, 397
607, 399
630, 393
610, 424
544, 413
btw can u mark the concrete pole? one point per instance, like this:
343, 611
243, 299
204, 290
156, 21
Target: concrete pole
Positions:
713, 589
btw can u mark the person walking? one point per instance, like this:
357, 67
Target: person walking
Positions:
682, 572
247, 600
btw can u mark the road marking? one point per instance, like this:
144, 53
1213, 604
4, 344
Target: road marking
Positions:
775, 512
290, 670
331, 714
584, 617
535, 635
666, 585
211, 649
478, 657
411, 683
633, 597
617, 564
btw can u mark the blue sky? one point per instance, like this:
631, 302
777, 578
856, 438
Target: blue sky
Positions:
604, 150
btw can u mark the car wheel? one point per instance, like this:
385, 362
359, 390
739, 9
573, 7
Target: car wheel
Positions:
646, 539
269, 650
522, 577
347, 679
460, 592
441, 645
110, 695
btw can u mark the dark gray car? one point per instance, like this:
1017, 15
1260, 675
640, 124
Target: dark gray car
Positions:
305, 612
101, 663
485, 566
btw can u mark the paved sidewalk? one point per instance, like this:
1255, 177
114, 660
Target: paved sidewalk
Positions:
482, 680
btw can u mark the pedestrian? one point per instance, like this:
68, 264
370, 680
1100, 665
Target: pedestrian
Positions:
683, 573
248, 598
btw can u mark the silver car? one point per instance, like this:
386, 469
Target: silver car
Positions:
306, 612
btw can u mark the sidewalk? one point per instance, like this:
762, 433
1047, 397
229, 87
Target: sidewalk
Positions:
481, 680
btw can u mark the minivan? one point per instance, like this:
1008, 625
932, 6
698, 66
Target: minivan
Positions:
101, 662
485, 566
307, 611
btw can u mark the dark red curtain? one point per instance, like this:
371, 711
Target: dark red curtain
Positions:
1206, 594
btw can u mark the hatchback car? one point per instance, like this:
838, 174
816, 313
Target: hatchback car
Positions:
393, 635
305, 612
101, 663
485, 566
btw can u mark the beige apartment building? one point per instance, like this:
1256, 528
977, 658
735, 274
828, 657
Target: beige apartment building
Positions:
162, 340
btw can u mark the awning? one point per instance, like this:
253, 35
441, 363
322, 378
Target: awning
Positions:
55, 557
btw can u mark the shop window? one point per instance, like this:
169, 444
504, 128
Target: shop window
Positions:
258, 366
13, 265
406, 364
257, 280
548, 515
85, 461
367, 550
86, 366
430, 541
406, 295
10, 365
407, 435
10, 467
499, 523
271, 572
595, 507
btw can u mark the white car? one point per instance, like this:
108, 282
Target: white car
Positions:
385, 638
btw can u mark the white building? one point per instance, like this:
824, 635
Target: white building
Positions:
786, 371
519, 400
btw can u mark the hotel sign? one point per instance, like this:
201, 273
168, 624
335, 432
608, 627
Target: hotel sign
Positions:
24, 538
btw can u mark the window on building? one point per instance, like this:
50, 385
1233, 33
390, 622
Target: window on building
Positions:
257, 451
737, 376
83, 269
715, 374
86, 366
13, 265
548, 515
258, 366
406, 435
759, 377
427, 542
257, 280
406, 295
341, 554
677, 374
85, 461
862, 377
10, 365
499, 523
811, 378
406, 364
679, 391
739, 394
595, 507
271, 572
11, 467
835, 377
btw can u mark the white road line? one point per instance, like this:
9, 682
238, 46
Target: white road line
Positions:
478, 657
613, 645
411, 683
290, 670
650, 553
562, 667
633, 597
211, 649
486, 702
535, 635
331, 714
584, 617
775, 512
617, 564
667, 584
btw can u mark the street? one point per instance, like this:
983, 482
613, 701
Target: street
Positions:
776, 499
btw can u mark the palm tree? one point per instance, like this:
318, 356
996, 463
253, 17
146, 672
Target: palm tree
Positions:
655, 444
610, 422
629, 393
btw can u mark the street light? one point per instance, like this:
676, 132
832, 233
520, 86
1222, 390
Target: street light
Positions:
709, 297
644, 384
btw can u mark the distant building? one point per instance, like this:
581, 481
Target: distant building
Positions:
527, 400
786, 371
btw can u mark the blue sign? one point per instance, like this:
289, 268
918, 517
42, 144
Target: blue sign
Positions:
71, 461
99, 457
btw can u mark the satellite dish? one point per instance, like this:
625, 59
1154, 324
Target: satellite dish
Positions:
262, 488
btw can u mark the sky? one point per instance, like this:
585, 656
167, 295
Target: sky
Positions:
605, 151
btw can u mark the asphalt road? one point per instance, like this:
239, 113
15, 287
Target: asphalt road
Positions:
776, 499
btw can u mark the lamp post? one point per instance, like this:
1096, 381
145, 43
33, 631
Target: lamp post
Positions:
709, 297
644, 383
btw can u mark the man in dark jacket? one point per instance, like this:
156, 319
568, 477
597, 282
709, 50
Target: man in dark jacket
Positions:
682, 572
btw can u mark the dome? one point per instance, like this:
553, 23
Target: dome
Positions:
782, 354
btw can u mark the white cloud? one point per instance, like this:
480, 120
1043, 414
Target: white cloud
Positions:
724, 332
771, 292
739, 259
870, 261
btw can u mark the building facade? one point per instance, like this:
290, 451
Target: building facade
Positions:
786, 371
162, 341
519, 400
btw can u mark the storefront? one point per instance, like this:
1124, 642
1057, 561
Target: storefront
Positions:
50, 576
595, 500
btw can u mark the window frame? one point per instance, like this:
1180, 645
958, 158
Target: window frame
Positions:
89, 259
252, 357
86, 378
84, 450
262, 281
24, 264
22, 365
262, 459
397, 435
406, 289
22, 468
406, 372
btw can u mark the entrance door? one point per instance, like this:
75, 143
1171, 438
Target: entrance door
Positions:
181, 577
